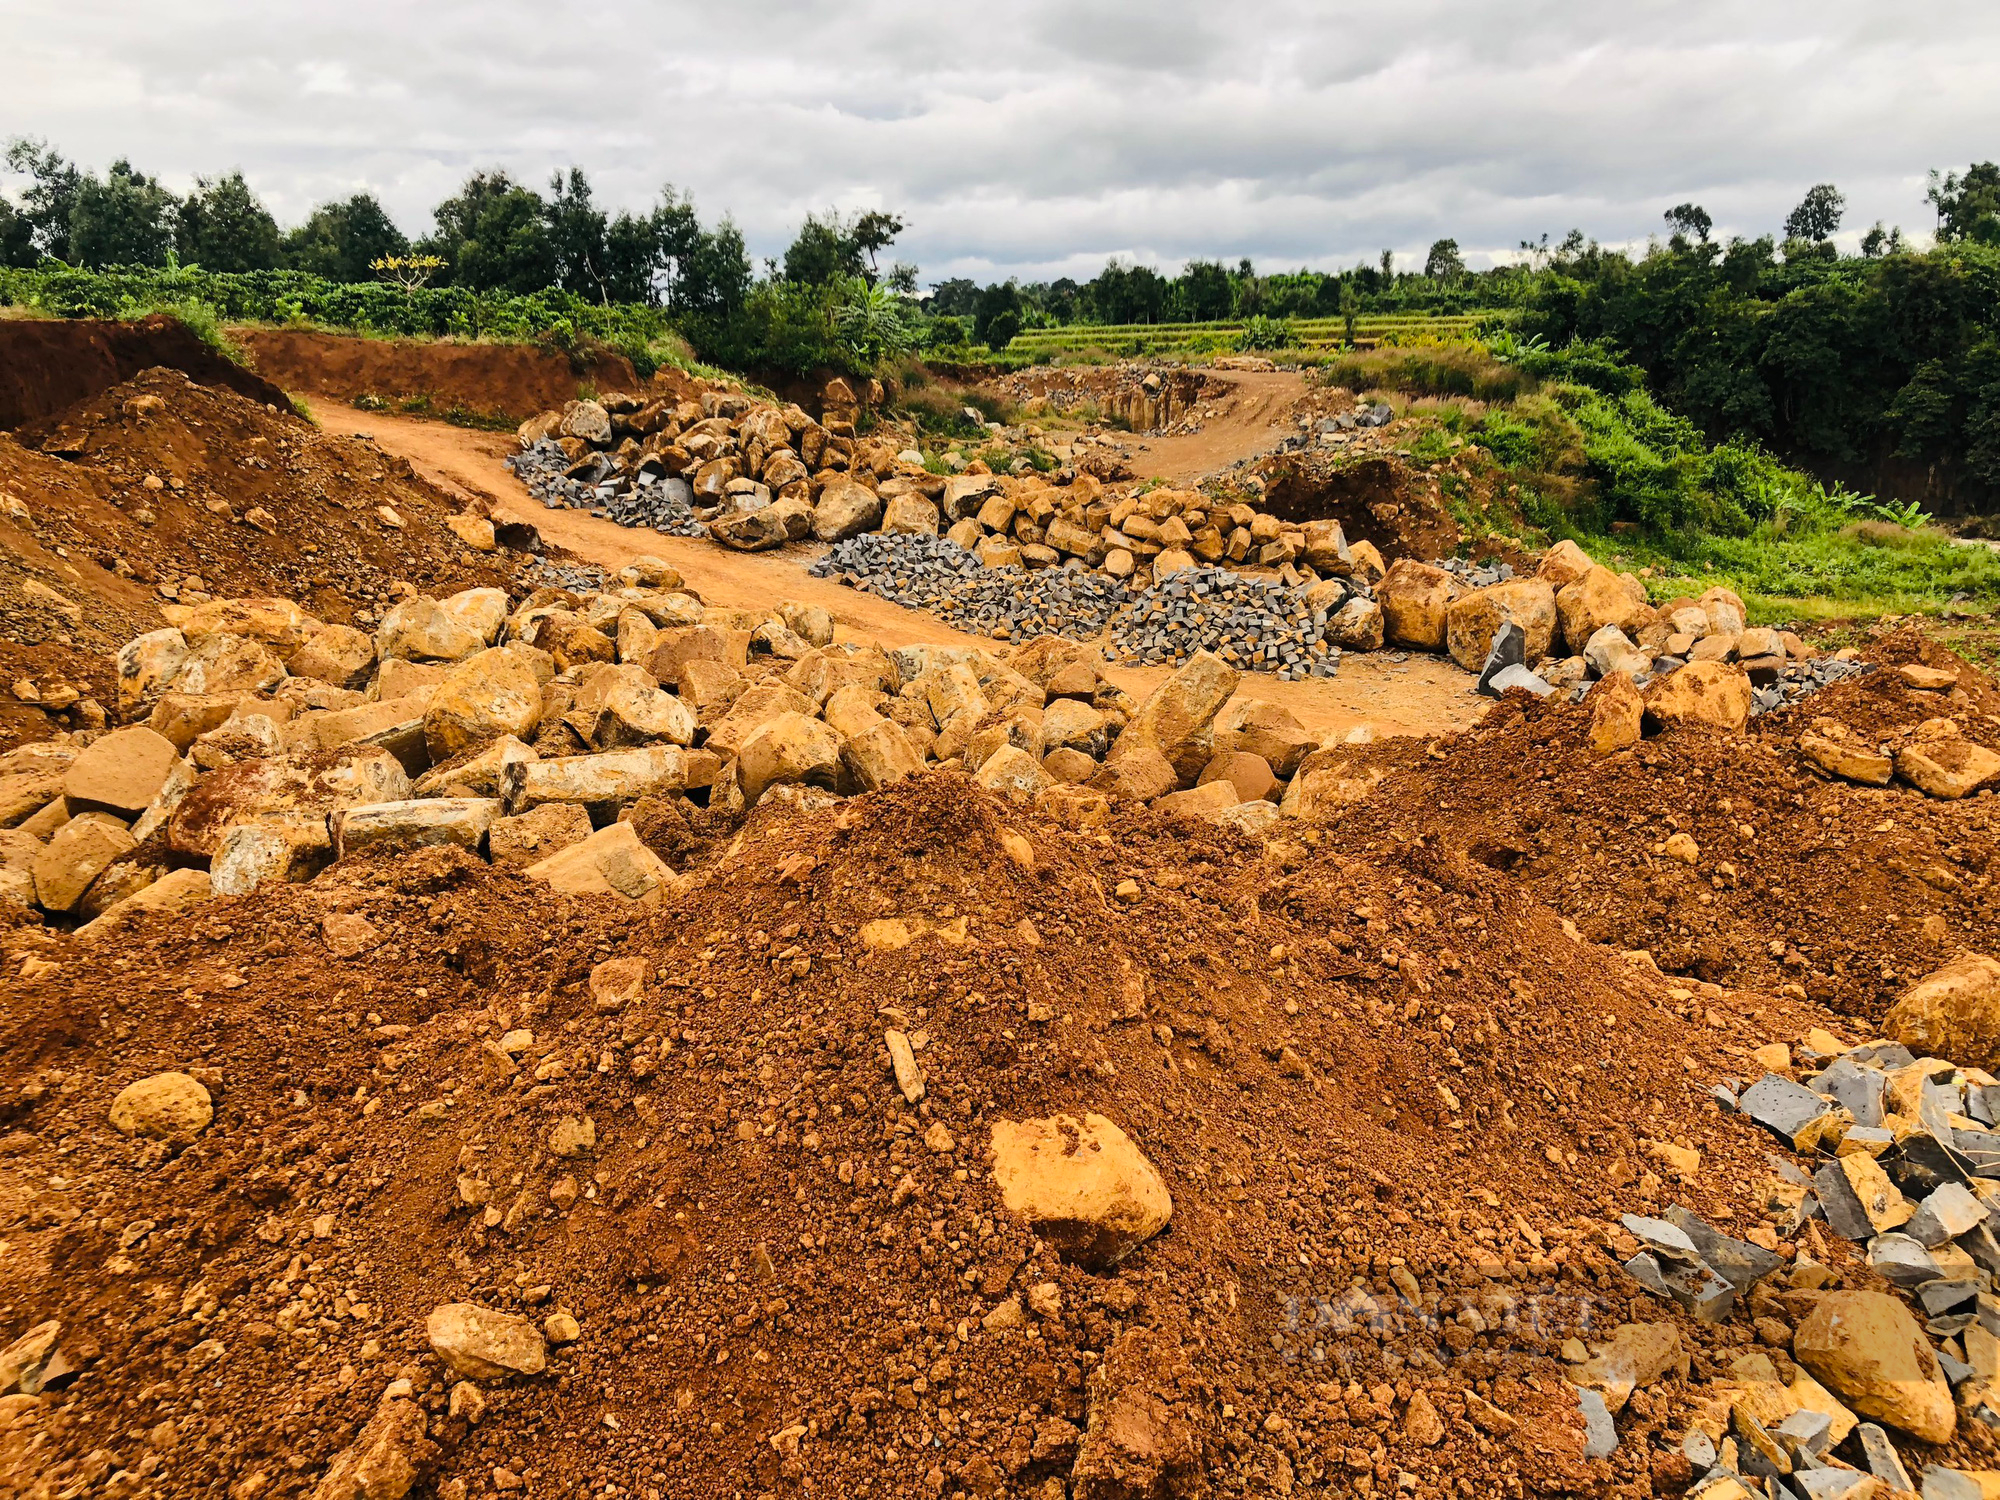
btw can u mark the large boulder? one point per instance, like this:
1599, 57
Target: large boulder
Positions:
604, 782
1175, 717
758, 530
336, 654
1562, 565
1869, 1350
171, 892
295, 793
146, 664
910, 515
420, 629
416, 824
1940, 762
75, 855
482, 611
1358, 625
484, 697
227, 664
1596, 599
624, 706
1082, 1185
1702, 692
1473, 619
1414, 597
1617, 714
790, 747
752, 709
846, 508
879, 755
275, 622
1952, 1012
611, 862
120, 773
1270, 731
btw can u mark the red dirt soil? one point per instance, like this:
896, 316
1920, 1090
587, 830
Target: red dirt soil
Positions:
511, 380
47, 364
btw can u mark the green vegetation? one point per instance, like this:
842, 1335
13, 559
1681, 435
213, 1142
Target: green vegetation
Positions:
1634, 483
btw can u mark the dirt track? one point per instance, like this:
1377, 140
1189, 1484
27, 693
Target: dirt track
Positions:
1246, 426
1420, 695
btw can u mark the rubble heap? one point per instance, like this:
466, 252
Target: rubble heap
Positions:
262, 744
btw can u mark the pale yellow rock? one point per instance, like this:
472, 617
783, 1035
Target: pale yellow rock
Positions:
1703, 692
1474, 619
121, 772
1868, 1349
1952, 1012
482, 1344
168, 1107
610, 862
1082, 1185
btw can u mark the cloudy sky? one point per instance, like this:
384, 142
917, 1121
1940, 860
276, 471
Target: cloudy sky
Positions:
1039, 137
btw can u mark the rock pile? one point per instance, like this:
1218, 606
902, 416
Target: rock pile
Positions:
934, 573
756, 476
262, 744
1900, 1153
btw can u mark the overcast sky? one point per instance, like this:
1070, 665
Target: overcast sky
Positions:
1039, 138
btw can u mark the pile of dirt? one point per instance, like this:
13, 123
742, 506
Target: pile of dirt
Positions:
49, 364
1845, 893
501, 382
1393, 1103
1376, 499
163, 489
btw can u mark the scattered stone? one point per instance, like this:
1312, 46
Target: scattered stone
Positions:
481, 1344
170, 1107
1083, 1186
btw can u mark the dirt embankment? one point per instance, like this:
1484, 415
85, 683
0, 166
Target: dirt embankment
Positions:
49, 364
513, 381
161, 489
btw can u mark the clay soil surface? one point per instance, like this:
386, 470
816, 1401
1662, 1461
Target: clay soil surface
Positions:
1248, 423
1417, 695
510, 381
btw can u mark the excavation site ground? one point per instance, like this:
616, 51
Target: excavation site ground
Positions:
707, 944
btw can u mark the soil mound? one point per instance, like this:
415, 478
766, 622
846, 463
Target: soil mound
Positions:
48, 364
1376, 500
162, 489
1390, 1089
197, 489
504, 382
1844, 892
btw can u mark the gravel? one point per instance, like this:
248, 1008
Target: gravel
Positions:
1253, 624
648, 498
936, 574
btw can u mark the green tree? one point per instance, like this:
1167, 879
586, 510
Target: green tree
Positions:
123, 219
873, 233
1818, 215
1968, 207
1444, 263
1689, 221
221, 226
824, 252
50, 198
17, 237
1202, 293
492, 235
998, 316
957, 297
577, 235
340, 240
712, 278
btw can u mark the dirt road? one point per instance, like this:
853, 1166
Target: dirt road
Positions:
1420, 695
1245, 425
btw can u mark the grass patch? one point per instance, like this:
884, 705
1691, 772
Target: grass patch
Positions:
1430, 370
423, 404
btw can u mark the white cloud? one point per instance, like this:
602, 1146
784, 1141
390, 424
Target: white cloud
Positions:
1040, 137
